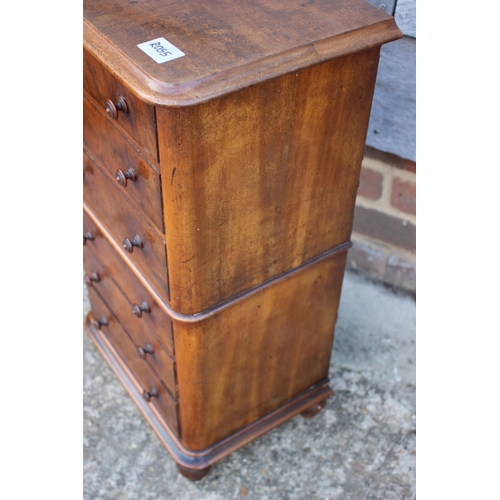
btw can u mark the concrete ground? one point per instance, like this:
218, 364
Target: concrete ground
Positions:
360, 447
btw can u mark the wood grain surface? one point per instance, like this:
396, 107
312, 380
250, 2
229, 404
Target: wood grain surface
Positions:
256, 136
227, 45
124, 347
136, 328
262, 180
157, 319
239, 365
106, 198
114, 152
139, 122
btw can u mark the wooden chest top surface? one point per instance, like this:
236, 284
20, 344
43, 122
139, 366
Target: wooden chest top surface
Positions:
227, 45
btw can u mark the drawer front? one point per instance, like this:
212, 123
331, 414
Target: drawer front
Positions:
129, 230
148, 347
138, 120
156, 319
142, 372
133, 173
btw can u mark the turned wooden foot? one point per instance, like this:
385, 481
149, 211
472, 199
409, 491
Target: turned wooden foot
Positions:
314, 409
193, 474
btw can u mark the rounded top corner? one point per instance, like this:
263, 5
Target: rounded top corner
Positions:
184, 53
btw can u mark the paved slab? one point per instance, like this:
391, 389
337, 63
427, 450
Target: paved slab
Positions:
360, 447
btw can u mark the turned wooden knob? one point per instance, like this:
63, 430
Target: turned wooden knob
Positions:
139, 309
153, 393
129, 245
147, 349
112, 108
122, 177
88, 236
99, 323
92, 278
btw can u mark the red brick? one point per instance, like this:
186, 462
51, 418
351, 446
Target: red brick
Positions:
370, 184
400, 273
403, 195
409, 165
391, 159
393, 230
366, 259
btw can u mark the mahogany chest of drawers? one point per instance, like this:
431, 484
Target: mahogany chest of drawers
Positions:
222, 150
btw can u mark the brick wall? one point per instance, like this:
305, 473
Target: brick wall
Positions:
384, 233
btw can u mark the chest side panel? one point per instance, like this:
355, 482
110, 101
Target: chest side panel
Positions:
237, 366
262, 180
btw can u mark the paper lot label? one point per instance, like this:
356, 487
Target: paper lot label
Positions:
160, 50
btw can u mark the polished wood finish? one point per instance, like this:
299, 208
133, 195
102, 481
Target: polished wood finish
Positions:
228, 45
126, 225
122, 177
193, 474
157, 319
146, 378
219, 192
262, 180
92, 278
112, 108
158, 357
137, 310
313, 410
139, 119
129, 244
201, 459
144, 190
147, 349
257, 354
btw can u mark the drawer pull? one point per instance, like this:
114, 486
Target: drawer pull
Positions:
99, 323
138, 310
122, 177
112, 108
129, 245
147, 349
93, 278
153, 393
88, 236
